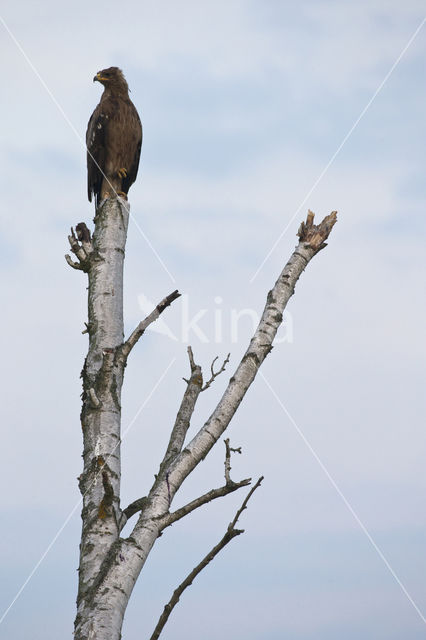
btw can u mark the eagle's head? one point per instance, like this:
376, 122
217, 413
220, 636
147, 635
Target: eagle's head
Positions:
112, 78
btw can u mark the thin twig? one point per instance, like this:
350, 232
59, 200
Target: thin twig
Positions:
244, 505
231, 533
217, 373
144, 324
229, 449
204, 499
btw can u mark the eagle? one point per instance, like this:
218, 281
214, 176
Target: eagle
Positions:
113, 139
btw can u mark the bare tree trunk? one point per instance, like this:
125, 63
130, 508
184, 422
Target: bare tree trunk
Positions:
109, 564
101, 410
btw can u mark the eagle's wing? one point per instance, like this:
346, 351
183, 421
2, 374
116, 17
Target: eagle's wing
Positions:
134, 145
96, 142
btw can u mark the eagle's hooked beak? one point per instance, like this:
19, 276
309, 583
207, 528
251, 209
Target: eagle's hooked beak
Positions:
97, 77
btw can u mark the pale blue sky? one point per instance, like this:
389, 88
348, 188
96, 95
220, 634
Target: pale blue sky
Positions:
243, 105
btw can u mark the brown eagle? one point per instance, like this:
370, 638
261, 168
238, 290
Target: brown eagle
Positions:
113, 139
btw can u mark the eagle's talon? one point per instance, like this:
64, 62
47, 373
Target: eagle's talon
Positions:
121, 194
122, 173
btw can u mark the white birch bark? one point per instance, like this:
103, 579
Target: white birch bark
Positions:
101, 410
109, 564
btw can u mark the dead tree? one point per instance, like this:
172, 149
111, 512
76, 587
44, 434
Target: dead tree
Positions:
109, 563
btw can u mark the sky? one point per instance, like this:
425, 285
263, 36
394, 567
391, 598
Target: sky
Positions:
253, 112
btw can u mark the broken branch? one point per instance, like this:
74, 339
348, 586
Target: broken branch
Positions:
127, 346
183, 418
315, 235
81, 245
229, 449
